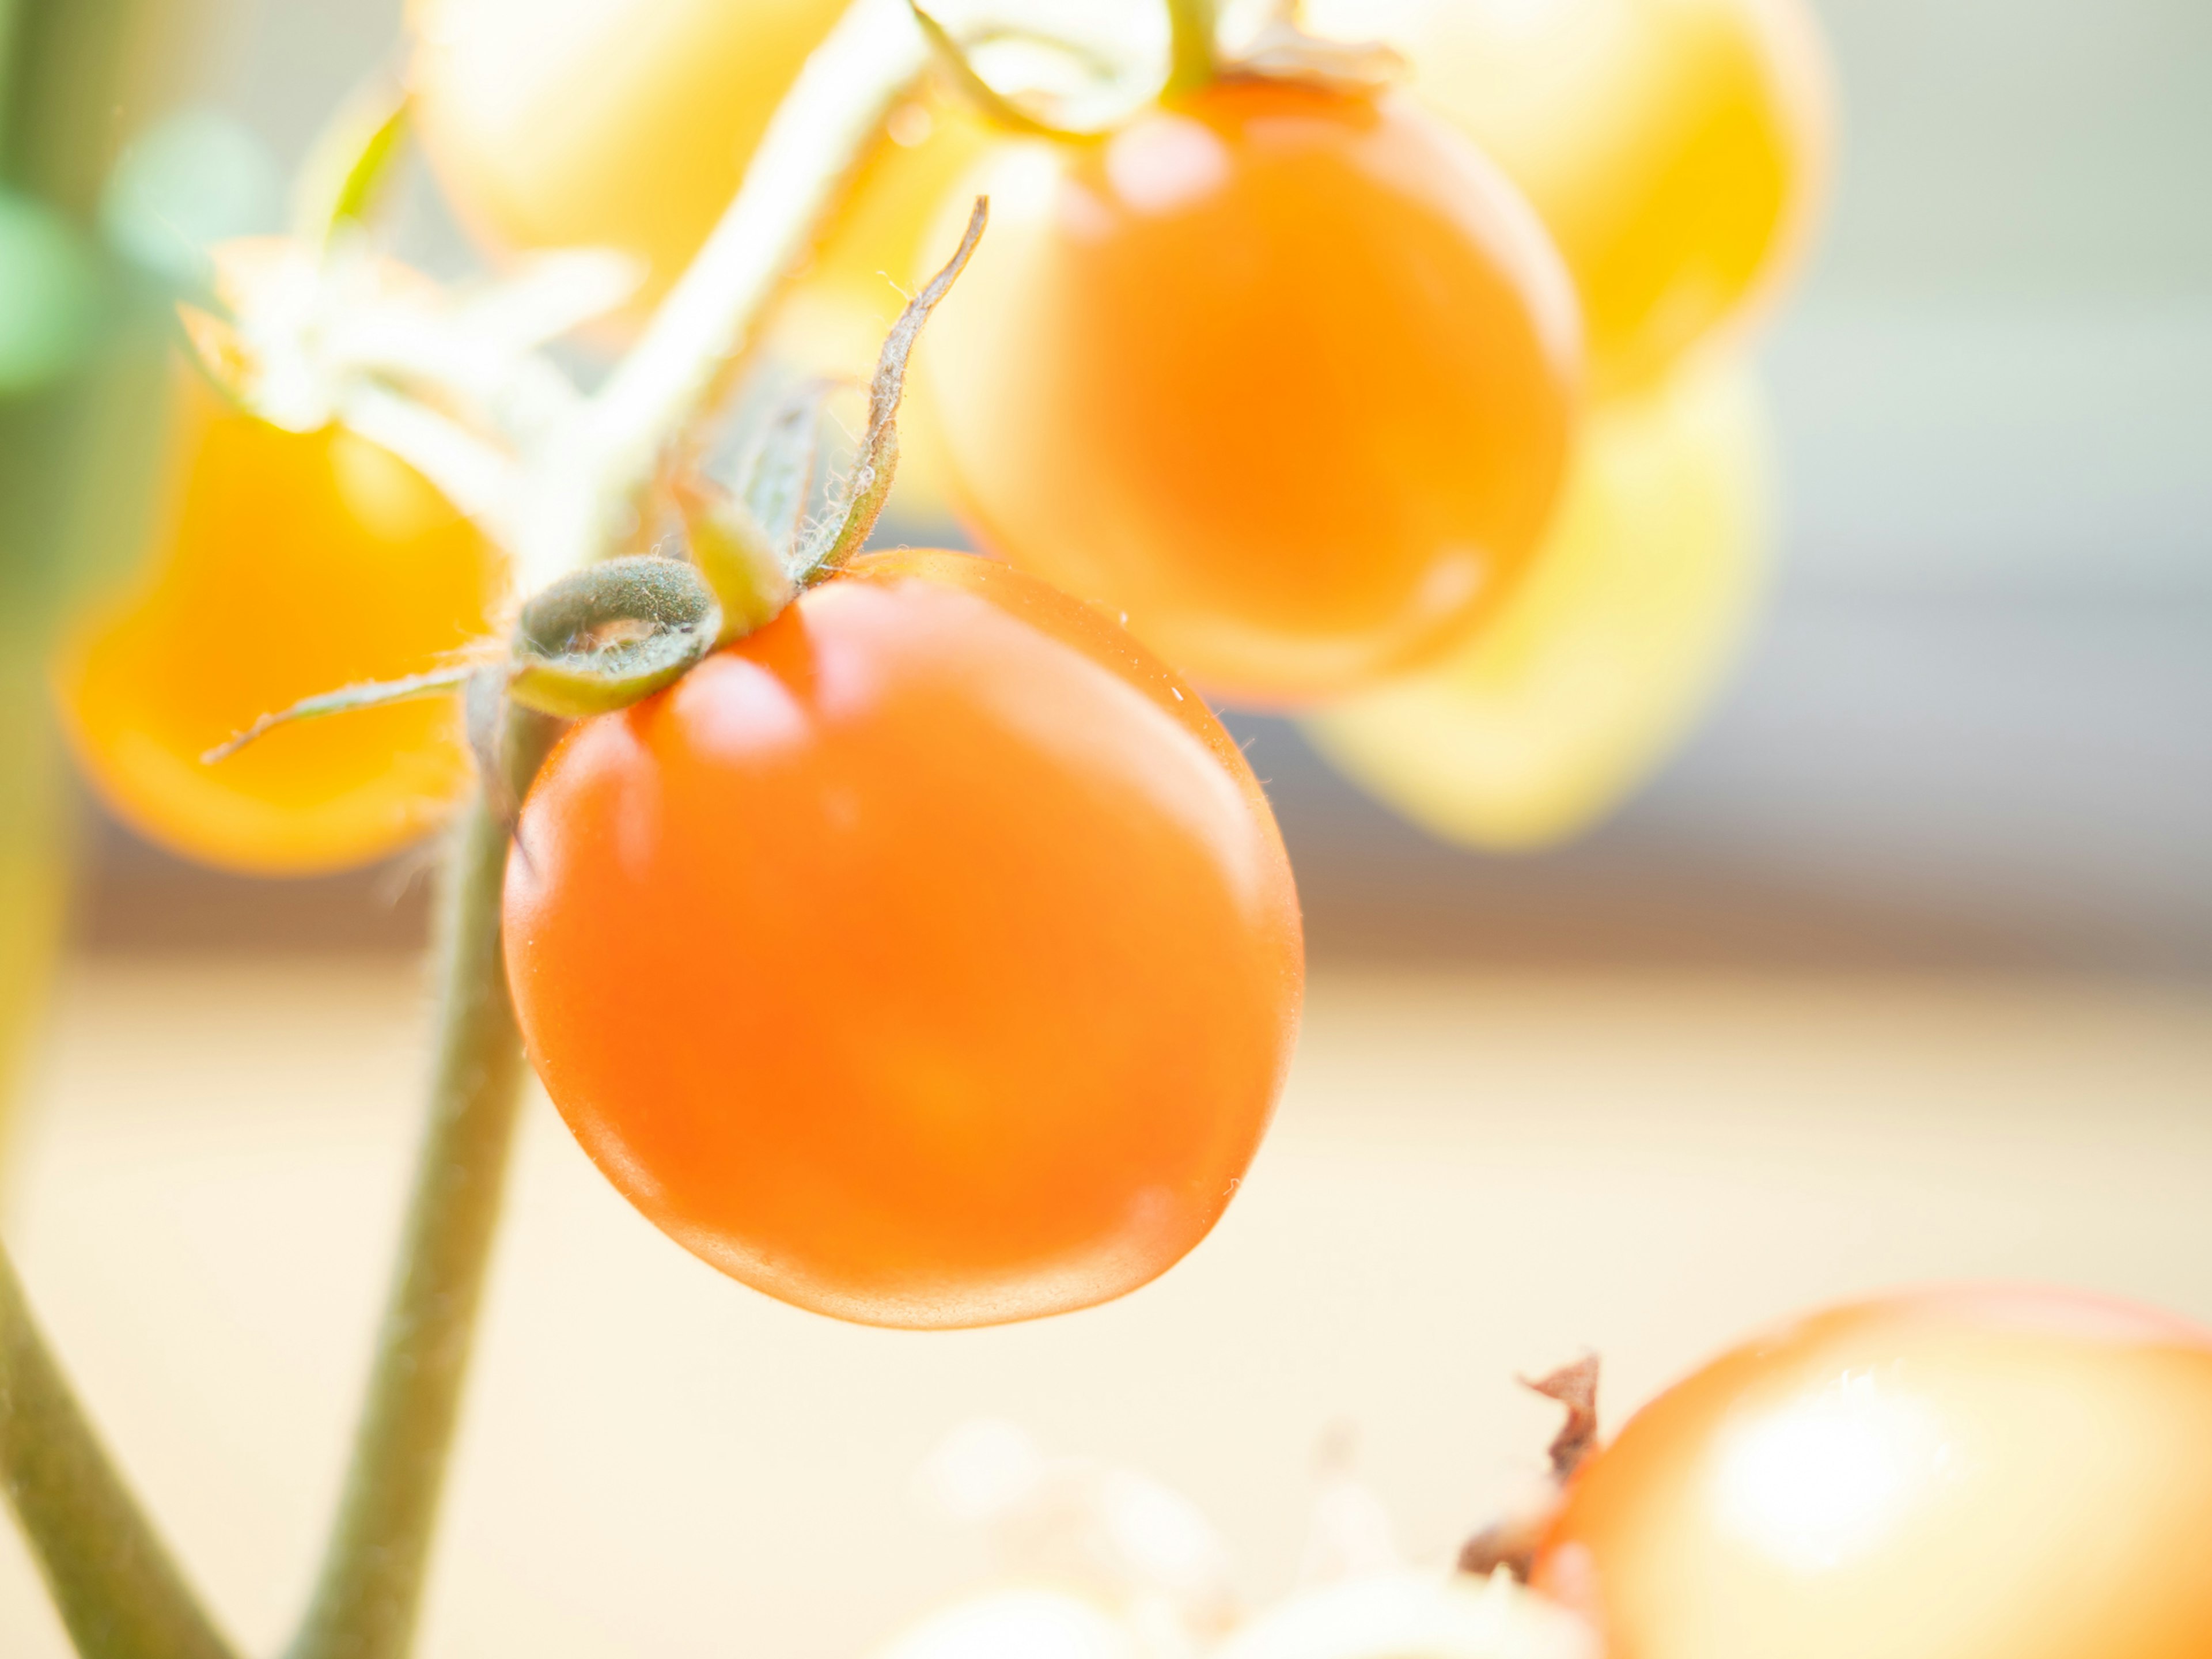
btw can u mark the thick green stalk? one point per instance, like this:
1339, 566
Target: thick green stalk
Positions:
365, 1603
118, 1591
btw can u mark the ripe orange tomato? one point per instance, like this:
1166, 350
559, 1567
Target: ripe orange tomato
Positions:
1678, 149
286, 563
929, 957
1286, 375
1955, 1475
602, 123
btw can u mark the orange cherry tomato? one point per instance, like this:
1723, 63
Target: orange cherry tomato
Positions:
286, 563
603, 122
1678, 149
929, 957
1959, 1475
1287, 376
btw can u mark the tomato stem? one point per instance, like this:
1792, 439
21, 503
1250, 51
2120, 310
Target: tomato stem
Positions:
119, 1592
366, 1600
1194, 59
816, 138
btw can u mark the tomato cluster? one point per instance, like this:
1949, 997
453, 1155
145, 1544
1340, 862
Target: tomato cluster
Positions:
927, 954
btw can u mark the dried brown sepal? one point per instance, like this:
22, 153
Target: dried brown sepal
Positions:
844, 529
1510, 1544
1575, 1387
1510, 1541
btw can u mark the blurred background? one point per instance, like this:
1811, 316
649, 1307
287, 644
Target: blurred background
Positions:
1898, 971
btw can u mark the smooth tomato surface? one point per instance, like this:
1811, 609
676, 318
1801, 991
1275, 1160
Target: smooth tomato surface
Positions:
1287, 376
1678, 150
928, 958
603, 122
1536, 728
286, 563
1962, 1474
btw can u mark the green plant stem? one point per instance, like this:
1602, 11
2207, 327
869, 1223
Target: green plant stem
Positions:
118, 1593
1193, 46
365, 1603
818, 134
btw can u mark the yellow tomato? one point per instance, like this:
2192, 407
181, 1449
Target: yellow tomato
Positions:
832, 320
1676, 149
600, 123
1552, 714
286, 563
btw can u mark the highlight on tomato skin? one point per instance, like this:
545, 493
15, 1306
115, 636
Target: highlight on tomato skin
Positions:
1946, 1474
283, 564
1678, 150
929, 957
1287, 376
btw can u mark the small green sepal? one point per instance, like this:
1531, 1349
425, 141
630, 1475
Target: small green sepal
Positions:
843, 530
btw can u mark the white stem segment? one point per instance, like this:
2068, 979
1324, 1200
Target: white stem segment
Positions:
574, 506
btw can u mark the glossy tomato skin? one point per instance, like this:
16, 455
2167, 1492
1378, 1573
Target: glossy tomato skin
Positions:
928, 958
285, 563
1994, 1474
1678, 150
1287, 376
603, 122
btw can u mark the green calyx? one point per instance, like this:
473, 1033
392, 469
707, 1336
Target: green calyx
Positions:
613, 634
606, 637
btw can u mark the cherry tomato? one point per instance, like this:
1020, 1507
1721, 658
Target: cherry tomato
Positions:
603, 122
1955, 1475
1545, 721
1286, 375
1678, 149
286, 563
929, 957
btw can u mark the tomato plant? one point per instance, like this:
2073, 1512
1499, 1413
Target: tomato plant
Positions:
1942, 1476
285, 563
1286, 375
598, 123
1530, 731
928, 957
1678, 149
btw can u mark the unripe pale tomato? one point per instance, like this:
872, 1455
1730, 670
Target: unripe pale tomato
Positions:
1677, 150
602, 123
929, 957
1545, 721
286, 563
1963, 1474
1287, 376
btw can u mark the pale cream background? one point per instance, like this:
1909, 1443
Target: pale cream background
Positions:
1470, 1176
